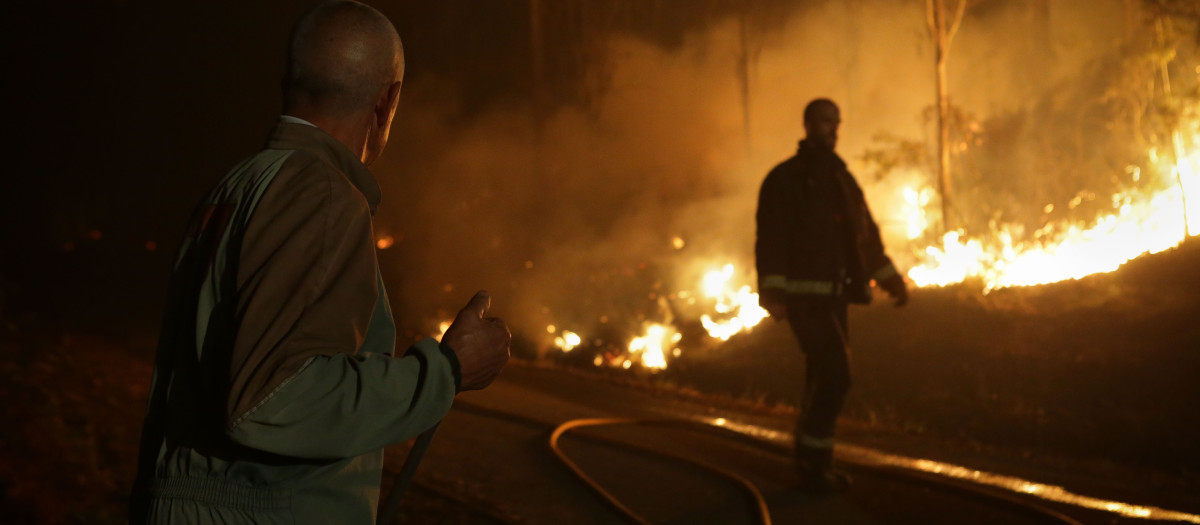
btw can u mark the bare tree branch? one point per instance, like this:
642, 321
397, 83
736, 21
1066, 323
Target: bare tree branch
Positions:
929, 18
958, 17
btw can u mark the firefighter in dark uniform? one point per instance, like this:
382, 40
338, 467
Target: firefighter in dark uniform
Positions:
817, 250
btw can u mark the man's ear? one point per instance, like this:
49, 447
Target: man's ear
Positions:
385, 105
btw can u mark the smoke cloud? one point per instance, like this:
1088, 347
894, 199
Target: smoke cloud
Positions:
572, 222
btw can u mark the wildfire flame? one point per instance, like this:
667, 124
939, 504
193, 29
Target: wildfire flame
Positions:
735, 309
568, 340
653, 345
739, 306
1160, 211
1142, 222
915, 204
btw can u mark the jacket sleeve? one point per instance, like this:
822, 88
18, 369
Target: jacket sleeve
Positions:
770, 246
307, 290
346, 405
879, 265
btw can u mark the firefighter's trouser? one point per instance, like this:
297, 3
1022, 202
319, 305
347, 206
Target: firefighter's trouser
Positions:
819, 324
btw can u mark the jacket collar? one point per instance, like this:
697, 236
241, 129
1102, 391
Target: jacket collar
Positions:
811, 149
809, 146
293, 136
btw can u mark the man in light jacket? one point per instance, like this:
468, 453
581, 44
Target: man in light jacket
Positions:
275, 385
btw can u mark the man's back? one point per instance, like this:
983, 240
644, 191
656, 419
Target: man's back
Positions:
275, 388
276, 310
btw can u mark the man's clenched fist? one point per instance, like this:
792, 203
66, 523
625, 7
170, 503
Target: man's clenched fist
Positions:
481, 343
896, 288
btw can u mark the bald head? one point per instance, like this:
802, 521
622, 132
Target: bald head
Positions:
342, 53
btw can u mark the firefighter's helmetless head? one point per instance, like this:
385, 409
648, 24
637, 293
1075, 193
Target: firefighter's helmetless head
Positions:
821, 121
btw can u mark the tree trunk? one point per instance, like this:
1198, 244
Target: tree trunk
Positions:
943, 140
1178, 155
744, 65
942, 31
943, 104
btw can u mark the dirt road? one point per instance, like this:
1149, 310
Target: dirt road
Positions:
492, 454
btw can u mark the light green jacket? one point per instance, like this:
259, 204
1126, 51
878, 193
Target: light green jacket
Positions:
275, 385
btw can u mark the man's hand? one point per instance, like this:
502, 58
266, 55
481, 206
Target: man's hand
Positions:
481, 343
777, 309
895, 287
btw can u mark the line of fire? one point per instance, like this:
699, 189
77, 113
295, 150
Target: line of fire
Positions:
1032, 168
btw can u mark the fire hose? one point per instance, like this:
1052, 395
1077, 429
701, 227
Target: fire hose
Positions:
762, 513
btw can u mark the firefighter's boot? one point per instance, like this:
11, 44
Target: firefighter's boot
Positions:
814, 465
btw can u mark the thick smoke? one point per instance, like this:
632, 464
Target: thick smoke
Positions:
572, 222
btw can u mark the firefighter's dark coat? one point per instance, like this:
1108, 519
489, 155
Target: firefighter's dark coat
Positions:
275, 387
816, 236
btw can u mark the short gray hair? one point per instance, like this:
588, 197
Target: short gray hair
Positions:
340, 55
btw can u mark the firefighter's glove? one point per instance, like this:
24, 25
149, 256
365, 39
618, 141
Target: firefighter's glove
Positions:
895, 287
480, 343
